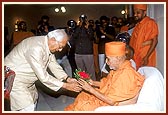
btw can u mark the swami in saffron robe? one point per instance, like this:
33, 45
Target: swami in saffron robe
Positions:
145, 30
119, 85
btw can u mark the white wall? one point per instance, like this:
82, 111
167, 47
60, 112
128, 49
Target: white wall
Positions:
157, 11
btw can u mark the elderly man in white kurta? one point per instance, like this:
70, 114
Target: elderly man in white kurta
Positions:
30, 60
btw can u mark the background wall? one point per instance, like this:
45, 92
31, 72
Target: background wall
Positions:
159, 15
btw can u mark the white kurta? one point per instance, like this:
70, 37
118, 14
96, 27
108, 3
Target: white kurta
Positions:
30, 60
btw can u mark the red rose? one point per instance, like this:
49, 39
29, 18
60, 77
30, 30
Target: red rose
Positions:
81, 74
84, 75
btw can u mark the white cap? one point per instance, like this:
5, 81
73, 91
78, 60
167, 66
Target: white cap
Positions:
58, 34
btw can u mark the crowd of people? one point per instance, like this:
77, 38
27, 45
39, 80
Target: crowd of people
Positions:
65, 49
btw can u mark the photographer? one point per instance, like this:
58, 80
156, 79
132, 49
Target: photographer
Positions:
71, 54
43, 26
66, 57
105, 34
83, 37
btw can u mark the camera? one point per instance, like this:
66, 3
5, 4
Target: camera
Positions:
71, 24
83, 19
123, 37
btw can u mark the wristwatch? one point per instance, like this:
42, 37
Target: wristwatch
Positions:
66, 79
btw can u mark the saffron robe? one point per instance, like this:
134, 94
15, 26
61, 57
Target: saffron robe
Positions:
119, 85
145, 30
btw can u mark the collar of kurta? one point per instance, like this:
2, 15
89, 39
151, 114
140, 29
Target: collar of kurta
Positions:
47, 48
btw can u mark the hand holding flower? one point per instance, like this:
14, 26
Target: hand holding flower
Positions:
85, 85
90, 81
79, 74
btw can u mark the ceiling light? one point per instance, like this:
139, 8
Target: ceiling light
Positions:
123, 12
56, 9
63, 9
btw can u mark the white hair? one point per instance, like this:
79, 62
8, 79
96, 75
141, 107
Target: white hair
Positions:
58, 34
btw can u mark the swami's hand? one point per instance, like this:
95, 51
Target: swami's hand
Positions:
145, 61
72, 86
84, 85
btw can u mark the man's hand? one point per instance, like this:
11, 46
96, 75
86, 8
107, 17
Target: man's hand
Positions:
145, 61
101, 30
72, 86
71, 80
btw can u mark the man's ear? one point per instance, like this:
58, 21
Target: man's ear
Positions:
53, 39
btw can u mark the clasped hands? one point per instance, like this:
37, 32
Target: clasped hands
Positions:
78, 85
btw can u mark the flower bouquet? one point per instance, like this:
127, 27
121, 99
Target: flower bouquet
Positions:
81, 74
